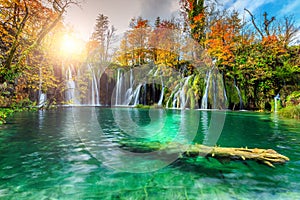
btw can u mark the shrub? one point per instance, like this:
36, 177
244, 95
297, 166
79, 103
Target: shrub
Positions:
290, 112
4, 113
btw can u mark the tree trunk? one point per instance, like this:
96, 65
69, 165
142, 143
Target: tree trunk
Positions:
263, 156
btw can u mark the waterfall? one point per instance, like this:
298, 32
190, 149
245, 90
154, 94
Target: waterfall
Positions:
131, 78
129, 92
71, 86
128, 96
276, 99
119, 88
95, 91
42, 99
175, 99
225, 95
239, 94
125, 92
134, 87
183, 93
42, 96
180, 98
204, 102
94, 95
136, 94
172, 95
161, 97
214, 93
161, 94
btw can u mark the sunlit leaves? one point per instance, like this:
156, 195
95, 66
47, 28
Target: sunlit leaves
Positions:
25, 54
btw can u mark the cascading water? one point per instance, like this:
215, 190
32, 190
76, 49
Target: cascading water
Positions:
276, 99
124, 88
95, 91
175, 99
42, 96
239, 94
161, 97
42, 99
132, 88
70, 87
204, 102
180, 97
136, 94
129, 92
161, 94
184, 93
214, 93
119, 88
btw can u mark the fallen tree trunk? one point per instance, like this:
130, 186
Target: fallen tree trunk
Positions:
264, 156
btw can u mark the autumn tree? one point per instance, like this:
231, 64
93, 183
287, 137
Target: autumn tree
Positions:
125, 54
24, 25
263, 65
164, 42
138, 39
224, 37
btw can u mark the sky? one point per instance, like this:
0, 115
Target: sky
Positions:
120, 12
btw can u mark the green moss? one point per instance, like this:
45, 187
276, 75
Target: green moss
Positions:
142, 106
290, 112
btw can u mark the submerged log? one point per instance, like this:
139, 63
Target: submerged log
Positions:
268, 157
265, 156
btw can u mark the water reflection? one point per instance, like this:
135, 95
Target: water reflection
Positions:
41, 118
42, 157
205, 125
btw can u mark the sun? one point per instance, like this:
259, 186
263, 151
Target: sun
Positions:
70, 45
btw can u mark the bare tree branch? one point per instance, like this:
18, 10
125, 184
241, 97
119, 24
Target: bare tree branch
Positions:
254, 24
290, 31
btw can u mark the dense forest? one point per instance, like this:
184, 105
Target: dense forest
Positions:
249, 63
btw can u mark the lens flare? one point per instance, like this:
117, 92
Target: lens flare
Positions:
70, 45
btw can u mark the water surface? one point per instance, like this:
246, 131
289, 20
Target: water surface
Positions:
51, 155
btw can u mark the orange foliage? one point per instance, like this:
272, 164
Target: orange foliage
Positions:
199, 17
272, 43
191, 4
270, 39
221, 41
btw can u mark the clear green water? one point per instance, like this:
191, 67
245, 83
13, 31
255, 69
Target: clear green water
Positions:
47, 155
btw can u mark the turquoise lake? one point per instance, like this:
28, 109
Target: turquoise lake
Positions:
79, 153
